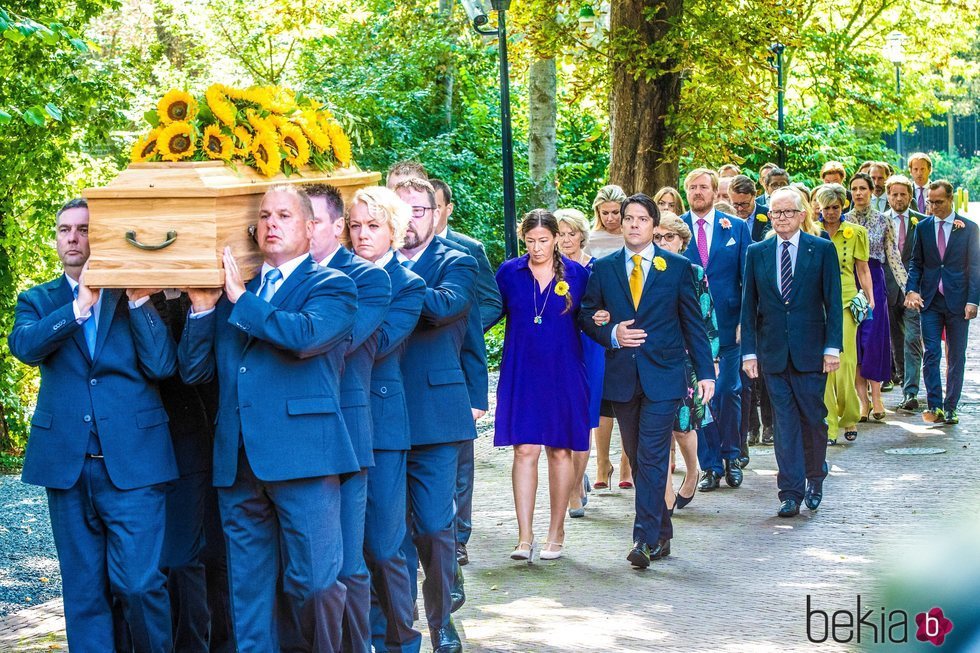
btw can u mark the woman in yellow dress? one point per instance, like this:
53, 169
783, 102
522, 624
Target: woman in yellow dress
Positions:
851, 240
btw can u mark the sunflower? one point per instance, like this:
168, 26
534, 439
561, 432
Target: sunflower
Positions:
217, 99
176, 106
176, 141
259, 95
340, 143
311, 127
217, 145
145, 147
281, 100
265, 149
258, 122
243, 141
296, 146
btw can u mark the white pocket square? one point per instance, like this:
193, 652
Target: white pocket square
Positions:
731, 241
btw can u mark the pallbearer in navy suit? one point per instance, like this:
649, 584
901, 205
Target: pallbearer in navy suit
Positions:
438, 405
277, 347
100, 444
793, 287
719, 245
944, 284
376, 223
655, 323
373, 297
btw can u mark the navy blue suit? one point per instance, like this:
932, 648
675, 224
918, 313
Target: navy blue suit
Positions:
646, 384
373, 297
484, 313
754, 391
959, 271
280, 445
793, 364
392, 590
99, 442
439, 418
726, 263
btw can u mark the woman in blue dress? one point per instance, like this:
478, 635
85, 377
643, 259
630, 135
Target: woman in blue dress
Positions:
542, 359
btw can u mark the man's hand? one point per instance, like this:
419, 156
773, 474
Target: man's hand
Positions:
234, 286
706, 390
971, 311
914, 300
751, 368
601, 318
477, 413
136, 294
87, 297
203, 299
830, 363
627, 337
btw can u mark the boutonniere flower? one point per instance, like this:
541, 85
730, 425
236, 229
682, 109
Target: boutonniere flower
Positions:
725, 223
762, 217
914, 220
561, 288
958, 224
848, 232
659, 263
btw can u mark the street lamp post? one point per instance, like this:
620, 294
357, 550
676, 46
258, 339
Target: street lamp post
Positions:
777, 49
895, 52
506, 137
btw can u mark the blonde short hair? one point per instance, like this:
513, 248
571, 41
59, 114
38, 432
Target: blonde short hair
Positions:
900, 180
697, 172
831, 167
921, 156
386, 207
672, 223
609, 193
576, 220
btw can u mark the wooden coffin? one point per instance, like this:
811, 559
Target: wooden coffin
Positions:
165, 225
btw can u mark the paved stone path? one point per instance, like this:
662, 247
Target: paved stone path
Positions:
738, 577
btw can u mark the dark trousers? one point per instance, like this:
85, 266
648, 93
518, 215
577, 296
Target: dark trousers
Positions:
431, 533
384, 533
182, 561
934, 320
109, 544
801, 429
216, 572
760, 412
896, 327
293, 526
646, 427
720, 440
353, 572
464, 492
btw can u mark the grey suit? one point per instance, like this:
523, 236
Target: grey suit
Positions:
904, 322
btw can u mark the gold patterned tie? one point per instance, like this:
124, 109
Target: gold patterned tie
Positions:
636, 280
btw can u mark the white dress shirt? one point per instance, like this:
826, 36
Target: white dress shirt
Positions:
383, 261
415, 259
329, 257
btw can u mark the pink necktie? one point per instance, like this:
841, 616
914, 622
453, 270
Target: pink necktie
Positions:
922, 200
942, 252
702, 242
901, 233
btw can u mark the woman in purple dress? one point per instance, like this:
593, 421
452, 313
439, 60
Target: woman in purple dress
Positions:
542, 359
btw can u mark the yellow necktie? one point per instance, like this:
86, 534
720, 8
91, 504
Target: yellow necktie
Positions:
636, 280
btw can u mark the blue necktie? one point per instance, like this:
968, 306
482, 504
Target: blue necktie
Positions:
408, 263
271, 277
786, 272
89, 328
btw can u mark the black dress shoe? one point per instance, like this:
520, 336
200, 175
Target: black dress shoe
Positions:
446, 639
639, 555
733, 474
742, 462
709, 481
662, 550
813, 494
789, 508
457, 594
909, 403
768, 437
753, 436
462, 557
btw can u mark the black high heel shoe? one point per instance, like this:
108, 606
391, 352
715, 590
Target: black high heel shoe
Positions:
680, 500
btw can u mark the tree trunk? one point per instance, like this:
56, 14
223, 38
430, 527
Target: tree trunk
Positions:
638, 105
543, 114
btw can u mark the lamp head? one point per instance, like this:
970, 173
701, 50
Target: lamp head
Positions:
894, 49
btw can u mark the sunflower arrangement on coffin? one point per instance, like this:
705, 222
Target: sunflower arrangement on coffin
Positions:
268, 128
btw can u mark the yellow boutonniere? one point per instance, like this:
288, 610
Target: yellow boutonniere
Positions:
914, 221
848, 232
762, 217
958, 224
561, 288
659, 263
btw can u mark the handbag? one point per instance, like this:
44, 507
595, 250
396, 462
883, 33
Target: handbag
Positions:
860, 309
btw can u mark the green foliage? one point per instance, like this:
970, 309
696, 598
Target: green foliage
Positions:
495, 344
10, 463
959, 171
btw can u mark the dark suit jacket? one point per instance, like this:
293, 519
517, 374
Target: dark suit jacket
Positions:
373, 297
435, 386
388, 407
760, 201
959, 269
115, 393
758, 228
778, 333
278, 365
726, 263
895, 294
487, 293
670, 314
473, 355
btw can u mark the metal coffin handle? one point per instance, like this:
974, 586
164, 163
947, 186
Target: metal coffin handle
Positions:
131, 239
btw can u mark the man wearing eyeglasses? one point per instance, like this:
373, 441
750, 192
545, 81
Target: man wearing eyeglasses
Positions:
440, 418
792, 287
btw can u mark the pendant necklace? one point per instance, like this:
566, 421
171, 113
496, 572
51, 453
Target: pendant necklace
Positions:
534, 297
